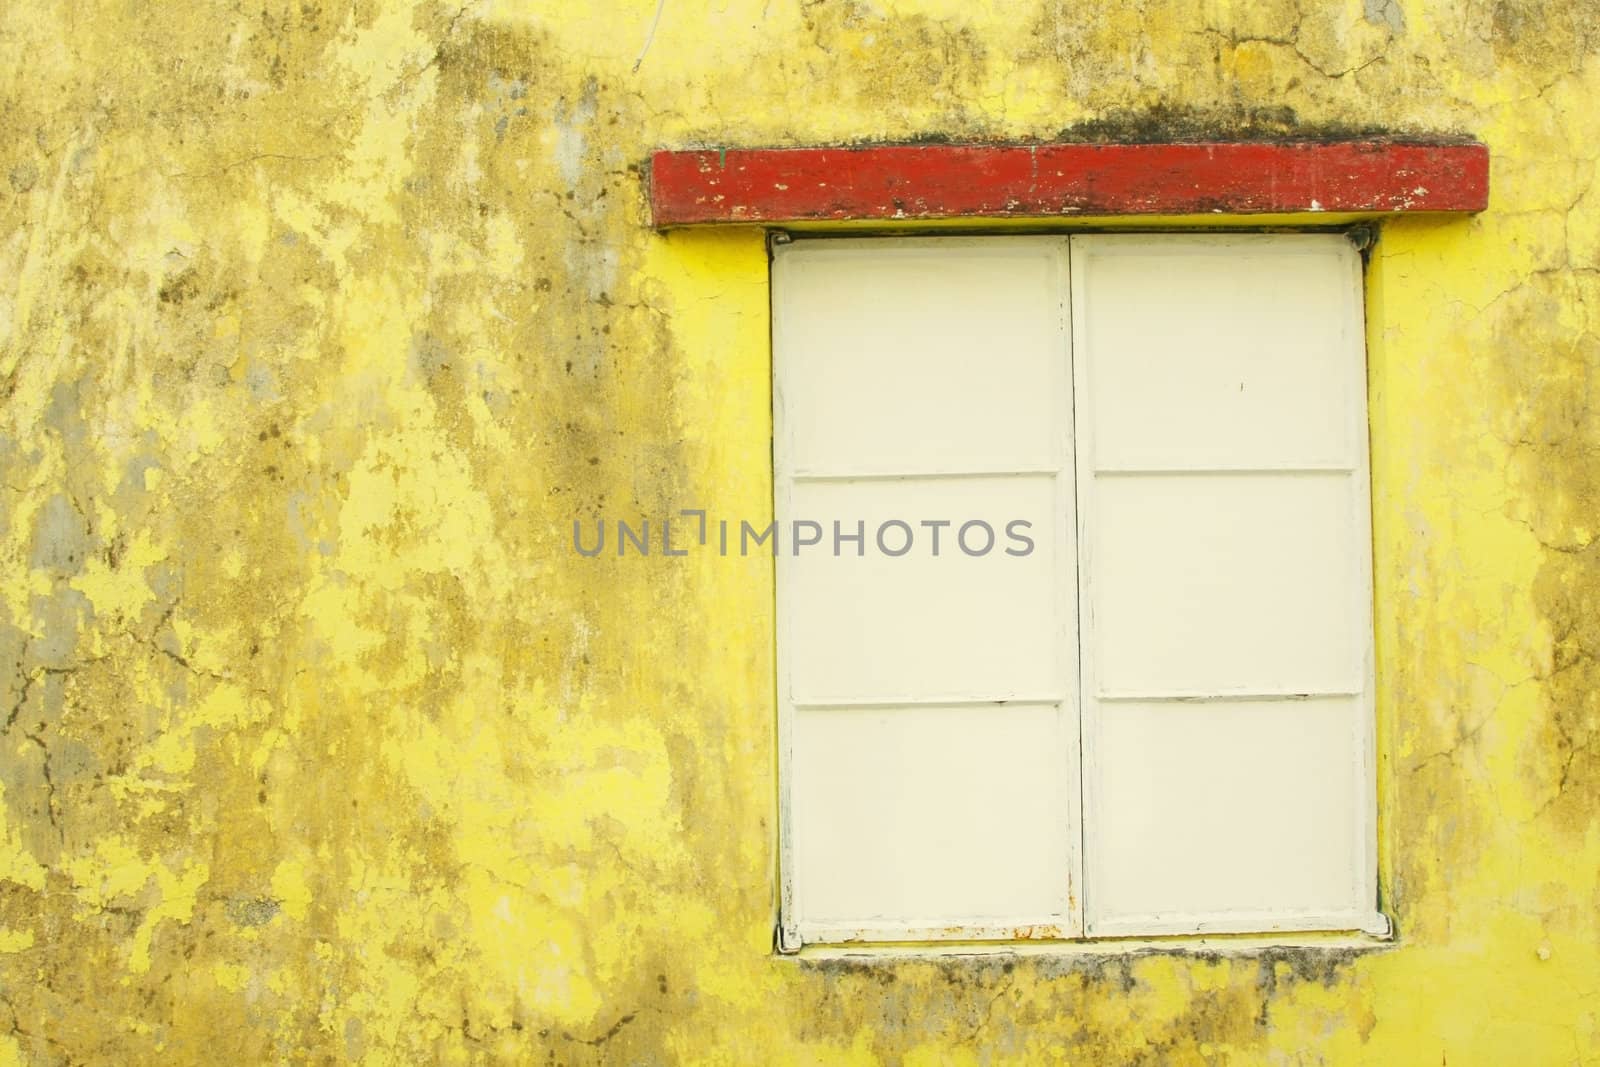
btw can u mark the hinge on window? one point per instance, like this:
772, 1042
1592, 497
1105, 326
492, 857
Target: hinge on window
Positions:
776, 238
788, 939
1363, 236
1379, 927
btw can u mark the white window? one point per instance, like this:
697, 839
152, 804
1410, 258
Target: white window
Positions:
1074, 594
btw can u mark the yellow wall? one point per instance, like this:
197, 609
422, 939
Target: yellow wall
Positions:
320, 321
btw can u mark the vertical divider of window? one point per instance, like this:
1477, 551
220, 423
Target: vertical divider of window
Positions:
1069, 712
1082, 485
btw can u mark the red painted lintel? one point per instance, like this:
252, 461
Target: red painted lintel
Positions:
911, 182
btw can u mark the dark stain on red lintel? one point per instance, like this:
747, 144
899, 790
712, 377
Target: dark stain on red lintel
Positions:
942, 181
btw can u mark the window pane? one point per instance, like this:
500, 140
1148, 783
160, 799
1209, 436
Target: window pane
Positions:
1204, 811
931, 814
1227, 583
880, 627
922, 356
1221, 352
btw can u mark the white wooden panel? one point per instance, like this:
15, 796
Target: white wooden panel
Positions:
1202, 812
920, 626
1227, 583
907, 817
1224, 554
1210, 352
921, 355
927, 705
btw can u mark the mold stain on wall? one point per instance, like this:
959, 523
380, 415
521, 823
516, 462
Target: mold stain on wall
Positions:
321, 321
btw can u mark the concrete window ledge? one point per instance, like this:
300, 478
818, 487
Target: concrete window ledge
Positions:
1265, 946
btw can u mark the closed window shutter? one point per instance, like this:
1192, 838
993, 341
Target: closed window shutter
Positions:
930, 714
1225, 559
1157, 721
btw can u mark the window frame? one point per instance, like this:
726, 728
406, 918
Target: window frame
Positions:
1075, 930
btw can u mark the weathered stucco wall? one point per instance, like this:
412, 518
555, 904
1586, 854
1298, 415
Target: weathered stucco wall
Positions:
319, 323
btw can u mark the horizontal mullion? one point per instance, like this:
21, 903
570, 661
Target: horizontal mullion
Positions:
880, 703
1160, 472
887, 476
1180, 696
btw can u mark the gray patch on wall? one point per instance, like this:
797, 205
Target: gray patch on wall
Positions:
1385, 13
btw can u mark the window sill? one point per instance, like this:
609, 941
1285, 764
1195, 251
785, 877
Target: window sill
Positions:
1374, 928
1198, 946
